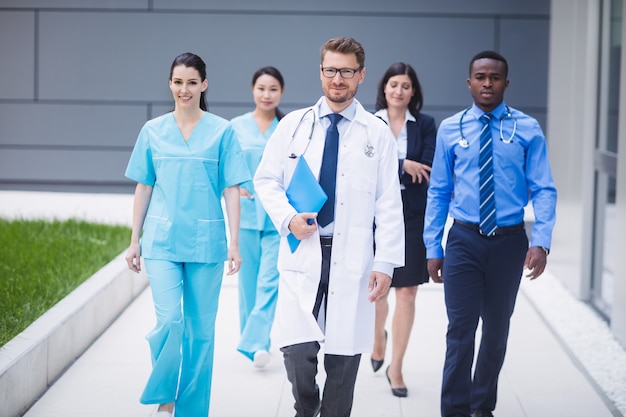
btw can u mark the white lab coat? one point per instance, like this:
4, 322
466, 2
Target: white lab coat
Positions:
367, 191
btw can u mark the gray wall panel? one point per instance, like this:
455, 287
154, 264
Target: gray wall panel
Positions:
366, 6
228, 67
441, 65
525, 44
17, 45
92, 73
63, 166
75, 4
70, 125
105, 56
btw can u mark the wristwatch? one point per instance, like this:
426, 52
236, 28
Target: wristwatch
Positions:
546, 250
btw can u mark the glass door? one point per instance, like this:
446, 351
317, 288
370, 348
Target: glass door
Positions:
605, 161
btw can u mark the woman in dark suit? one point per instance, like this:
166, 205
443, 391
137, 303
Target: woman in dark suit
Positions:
398, 103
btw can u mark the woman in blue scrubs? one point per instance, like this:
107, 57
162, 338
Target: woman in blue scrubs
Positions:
259, 239
184, 162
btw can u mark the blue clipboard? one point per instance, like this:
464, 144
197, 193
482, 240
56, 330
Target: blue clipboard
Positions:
305, 194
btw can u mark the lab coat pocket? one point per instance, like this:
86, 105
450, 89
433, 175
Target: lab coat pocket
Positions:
366, 185
293, 261
361, 254
361, 204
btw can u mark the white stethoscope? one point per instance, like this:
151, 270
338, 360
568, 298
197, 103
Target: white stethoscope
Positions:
369, 148
463, 143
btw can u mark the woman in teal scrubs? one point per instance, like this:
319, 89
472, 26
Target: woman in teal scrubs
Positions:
184, 162
259, 240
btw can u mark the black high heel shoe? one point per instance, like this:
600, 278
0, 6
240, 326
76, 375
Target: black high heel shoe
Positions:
398, 392
377, 364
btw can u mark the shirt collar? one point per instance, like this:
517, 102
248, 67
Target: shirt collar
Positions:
347, 113
383, 114
497, 113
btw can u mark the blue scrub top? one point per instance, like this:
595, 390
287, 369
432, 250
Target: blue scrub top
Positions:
252, 141
185, 221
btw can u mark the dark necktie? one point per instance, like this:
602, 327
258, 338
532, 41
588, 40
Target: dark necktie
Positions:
487, 190
328, 172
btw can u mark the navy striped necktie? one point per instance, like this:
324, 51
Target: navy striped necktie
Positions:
487, 189
328, 172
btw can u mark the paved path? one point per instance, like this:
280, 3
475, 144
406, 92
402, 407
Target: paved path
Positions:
539, 378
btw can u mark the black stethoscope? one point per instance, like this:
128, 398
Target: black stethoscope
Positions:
463, 143
369, 148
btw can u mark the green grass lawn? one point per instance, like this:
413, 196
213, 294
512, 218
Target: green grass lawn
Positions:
43, 261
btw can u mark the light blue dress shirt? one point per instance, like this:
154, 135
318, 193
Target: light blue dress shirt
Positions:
521, 172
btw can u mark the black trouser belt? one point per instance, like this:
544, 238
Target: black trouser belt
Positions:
326, 240
506, 230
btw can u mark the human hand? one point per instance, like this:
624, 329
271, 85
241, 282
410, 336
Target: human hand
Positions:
416, 170
302, 225
535, 262
133, 257
234, 261
378, 286
435, 269
245, 193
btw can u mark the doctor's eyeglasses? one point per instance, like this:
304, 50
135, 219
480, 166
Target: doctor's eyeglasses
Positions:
330, 72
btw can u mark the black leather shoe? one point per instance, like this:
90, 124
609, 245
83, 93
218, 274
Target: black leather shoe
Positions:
482, 413
398, 392
377, 364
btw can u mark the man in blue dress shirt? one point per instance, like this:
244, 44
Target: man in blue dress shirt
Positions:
483, 264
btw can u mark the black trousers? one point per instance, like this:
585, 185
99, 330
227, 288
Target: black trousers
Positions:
341, 371
301, 365
481, 279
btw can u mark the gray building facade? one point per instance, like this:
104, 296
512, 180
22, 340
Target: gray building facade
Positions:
80, 77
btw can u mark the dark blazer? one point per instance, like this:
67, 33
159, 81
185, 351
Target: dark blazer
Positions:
421, 138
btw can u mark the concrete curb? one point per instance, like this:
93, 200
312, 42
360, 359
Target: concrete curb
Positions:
34, 359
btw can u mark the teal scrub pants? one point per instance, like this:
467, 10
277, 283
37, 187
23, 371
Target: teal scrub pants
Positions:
258, 289
185, 299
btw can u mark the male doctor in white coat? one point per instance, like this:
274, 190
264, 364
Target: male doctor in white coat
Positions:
329, 284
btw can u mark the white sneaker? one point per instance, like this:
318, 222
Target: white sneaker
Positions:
261, 358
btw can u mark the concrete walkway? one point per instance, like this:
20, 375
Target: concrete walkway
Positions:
541, 377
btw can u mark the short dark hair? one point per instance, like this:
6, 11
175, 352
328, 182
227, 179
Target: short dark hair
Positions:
190, 60
400, 68
490, 55
344, 46
272, 72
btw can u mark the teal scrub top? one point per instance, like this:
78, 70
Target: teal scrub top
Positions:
252, 141
185, 221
